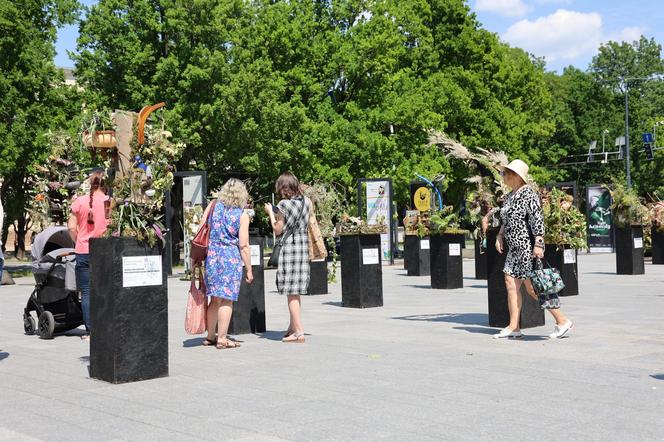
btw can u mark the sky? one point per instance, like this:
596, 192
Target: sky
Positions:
564, 32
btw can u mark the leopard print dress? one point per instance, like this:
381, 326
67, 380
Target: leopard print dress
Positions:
522, 209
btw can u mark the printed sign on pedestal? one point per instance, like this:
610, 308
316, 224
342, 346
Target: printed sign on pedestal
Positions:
141, 271
370, 256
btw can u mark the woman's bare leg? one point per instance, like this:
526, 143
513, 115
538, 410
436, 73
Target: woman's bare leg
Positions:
513, 301
224, 314
212, 315
557, 314
294, 308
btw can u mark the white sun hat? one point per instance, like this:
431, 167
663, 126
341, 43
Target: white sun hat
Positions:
520, 168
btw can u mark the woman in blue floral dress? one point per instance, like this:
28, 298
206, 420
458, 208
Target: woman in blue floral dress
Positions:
228, 250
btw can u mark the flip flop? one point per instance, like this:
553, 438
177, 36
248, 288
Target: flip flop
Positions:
209, 342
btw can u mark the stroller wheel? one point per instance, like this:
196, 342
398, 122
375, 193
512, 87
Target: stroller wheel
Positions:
46, 325
29, 324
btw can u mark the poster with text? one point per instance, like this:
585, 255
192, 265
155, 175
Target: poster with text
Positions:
598, 212
378, 209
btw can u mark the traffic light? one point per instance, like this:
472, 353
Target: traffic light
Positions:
647, 148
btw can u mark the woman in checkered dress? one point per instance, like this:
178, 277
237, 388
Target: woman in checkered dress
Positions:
292, 215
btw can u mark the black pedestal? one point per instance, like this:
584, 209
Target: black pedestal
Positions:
446, 261
499, 316
361, 271
318, 278
128, 311
249, 310
657, 246
416, 255
629, 250
564, 259
480, 262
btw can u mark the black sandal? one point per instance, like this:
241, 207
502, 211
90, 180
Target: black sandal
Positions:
209, 342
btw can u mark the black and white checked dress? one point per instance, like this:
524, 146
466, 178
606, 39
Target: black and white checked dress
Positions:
293, 270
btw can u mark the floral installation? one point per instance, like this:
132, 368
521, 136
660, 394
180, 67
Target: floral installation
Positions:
565, 225
627, 207
328, 203
352, 225
55, 183
138, 196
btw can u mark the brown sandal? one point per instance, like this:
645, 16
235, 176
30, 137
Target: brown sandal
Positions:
228, 344
295, 338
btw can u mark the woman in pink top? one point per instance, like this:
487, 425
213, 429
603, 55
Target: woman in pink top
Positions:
88, 220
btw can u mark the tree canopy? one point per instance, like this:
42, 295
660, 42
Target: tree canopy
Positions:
331, 90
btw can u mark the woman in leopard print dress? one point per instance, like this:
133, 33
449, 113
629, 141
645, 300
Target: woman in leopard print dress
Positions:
523, 231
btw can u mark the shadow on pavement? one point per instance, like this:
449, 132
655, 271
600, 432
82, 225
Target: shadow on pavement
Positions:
334, 303
659, 377
421, 286
272, 335
193, 342
601, 273
457, 318
480, 330
478, 286
3, 355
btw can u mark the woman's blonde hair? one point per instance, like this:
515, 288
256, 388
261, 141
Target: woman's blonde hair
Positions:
233, 194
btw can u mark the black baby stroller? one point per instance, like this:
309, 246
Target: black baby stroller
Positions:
54, 298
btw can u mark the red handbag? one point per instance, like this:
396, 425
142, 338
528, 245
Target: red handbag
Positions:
195, 321
199, 245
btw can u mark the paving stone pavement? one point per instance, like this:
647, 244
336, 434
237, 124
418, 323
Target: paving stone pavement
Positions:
423, 367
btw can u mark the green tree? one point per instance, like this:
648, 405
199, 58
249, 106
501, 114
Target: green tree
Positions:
32, 96
333, 90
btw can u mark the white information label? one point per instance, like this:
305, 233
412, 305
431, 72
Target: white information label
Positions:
370, 256
638, 243
141, 271
569, 256
455, 249
255, 254
424, 244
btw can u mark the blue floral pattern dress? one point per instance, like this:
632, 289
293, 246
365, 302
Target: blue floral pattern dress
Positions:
223, 265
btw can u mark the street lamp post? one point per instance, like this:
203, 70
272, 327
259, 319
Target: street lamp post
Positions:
627, 163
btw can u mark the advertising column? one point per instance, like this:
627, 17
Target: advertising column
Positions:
598, 209
378, 210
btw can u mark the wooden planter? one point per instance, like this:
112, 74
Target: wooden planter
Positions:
101, 139
446, 261
565, 260
417, 258
499, 315
361, 271
318, 278
480, 262
249, 310
128, 311
629, 250
657, 246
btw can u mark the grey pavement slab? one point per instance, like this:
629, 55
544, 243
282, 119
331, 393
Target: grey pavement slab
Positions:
423, 367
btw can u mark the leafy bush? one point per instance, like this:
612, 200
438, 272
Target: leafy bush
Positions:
628, 210
564, 224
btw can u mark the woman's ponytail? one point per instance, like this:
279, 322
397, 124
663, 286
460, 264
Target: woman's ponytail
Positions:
95, 183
